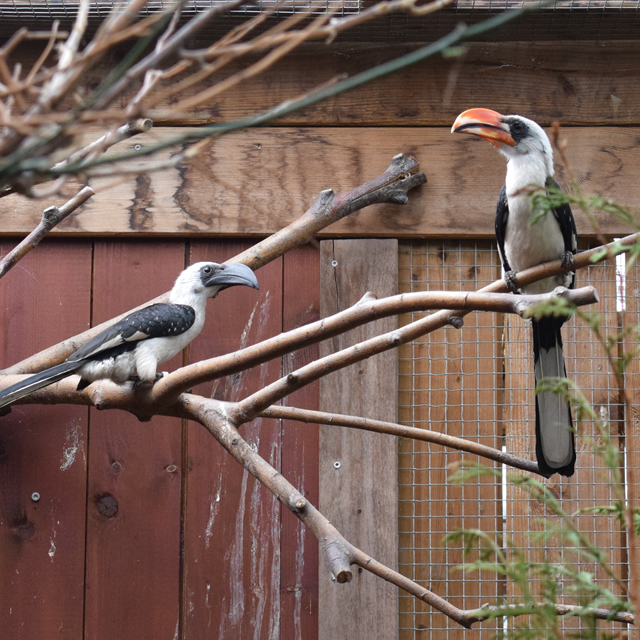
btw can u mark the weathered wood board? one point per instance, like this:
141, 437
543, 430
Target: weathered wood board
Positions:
573, 82
358, 469
299, 547
134, 502
43, 451
256, 182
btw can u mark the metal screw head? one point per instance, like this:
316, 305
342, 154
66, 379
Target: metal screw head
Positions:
337, 464
35, 496
334, 263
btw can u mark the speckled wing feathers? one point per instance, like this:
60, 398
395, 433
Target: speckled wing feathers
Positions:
156, 321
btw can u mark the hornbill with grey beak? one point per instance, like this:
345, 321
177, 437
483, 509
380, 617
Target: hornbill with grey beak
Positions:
137, 344
522, 245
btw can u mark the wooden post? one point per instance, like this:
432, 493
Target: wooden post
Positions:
358, 470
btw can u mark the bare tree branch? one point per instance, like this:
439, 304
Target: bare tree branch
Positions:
253, 405
340, 553
51, 217
378, 426
158, 55
478, 615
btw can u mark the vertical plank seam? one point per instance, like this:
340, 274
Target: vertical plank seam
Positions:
283, 372
88, 466
184, 486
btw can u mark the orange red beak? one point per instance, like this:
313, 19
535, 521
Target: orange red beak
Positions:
485, 124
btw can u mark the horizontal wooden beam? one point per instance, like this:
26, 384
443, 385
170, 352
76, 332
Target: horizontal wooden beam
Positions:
576, 83
256, 182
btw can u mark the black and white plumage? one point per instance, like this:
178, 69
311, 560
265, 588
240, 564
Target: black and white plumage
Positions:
137, 344
523, 245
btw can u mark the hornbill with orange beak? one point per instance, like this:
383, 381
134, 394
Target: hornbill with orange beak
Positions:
522, 245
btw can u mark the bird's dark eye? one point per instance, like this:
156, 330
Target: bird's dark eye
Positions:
517, 126
208, 270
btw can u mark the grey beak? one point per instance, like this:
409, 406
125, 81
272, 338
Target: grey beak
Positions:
233, 274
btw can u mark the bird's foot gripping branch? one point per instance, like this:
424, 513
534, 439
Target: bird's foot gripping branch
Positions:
168, 395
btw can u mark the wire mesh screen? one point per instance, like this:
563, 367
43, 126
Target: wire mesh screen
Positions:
477, 383
557, 19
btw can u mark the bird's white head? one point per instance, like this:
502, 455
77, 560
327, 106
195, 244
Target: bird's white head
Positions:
518, 139
204, 280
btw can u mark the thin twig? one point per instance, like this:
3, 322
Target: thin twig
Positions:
462, 32
51, 217
157, 56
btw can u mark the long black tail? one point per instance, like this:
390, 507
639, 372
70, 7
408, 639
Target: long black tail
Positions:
37, 381
555, 443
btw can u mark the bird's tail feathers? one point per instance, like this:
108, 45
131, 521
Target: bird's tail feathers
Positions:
555, 442
37, 381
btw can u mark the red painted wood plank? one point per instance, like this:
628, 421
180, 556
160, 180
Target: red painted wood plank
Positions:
299, 556
43, 300
133, 556
232, 534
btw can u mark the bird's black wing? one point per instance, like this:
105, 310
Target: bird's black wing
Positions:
567, 224
502, 215
156, 321
565, 219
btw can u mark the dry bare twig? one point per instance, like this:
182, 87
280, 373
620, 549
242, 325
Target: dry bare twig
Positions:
51, 217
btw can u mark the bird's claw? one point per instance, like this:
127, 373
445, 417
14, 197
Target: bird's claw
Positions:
567, 262
511, 281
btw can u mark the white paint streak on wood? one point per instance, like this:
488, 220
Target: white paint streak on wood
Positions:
297, 610
236, 578
274, 585
258, 559
214, 504
247, 329
72, 445
52, 550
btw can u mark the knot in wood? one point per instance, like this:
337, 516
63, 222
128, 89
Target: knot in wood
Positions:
107, 506
399, 198
298, 504
50, 216
292, 378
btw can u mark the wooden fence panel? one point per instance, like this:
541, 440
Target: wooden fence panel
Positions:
133, 524
43, 449
358, 469
299, 547
574, 82
232, 523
